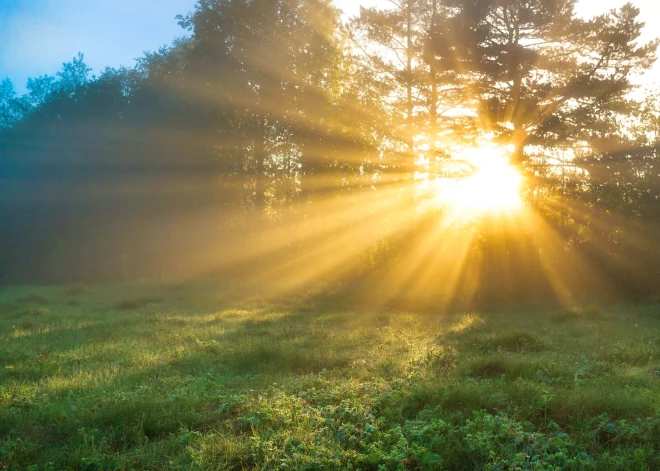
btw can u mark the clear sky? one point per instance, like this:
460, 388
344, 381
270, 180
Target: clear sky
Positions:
36, 36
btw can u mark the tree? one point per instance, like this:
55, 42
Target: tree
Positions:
11, 107
539, 76
39, 90
398, 43
270, 66
73, 76
390, 39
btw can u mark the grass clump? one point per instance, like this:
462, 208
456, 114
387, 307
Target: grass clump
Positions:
570, 315
76, 290
192, 385
132, 304
513, 341
128, 305
32, 299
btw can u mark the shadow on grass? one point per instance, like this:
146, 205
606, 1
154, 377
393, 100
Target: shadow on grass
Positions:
225, 359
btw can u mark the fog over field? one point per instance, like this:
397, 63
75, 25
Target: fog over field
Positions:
306, 234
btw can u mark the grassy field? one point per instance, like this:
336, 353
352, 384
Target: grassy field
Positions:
165, 377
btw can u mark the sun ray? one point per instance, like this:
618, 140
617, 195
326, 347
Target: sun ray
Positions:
492, 186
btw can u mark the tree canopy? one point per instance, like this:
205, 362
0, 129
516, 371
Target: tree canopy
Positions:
280, 141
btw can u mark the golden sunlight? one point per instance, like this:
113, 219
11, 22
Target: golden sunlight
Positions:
492, 187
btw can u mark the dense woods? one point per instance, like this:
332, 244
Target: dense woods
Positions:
281, 144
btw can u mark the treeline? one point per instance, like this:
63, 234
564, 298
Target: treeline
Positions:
278, 143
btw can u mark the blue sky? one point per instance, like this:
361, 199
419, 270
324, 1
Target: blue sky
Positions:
36, 36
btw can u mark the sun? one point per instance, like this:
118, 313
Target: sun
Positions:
492, 187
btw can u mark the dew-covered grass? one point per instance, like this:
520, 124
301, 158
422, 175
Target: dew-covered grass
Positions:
184, 376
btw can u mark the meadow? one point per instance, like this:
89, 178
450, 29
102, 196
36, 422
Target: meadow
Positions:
166, 376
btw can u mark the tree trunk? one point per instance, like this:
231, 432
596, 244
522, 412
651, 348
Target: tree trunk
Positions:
516, 112
519, 143
433, 159
260, 159
434, 125
409, 78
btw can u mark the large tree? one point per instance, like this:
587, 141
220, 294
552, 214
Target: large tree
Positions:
541, 76
394, 42
271, 66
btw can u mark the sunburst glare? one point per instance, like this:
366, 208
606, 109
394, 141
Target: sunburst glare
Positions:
493, 185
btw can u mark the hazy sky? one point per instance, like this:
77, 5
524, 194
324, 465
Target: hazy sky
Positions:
36, 36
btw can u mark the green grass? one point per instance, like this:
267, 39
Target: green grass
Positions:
179, 377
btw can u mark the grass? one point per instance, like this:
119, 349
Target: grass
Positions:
179, 377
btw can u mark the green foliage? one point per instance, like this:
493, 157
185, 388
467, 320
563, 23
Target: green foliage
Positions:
278, 132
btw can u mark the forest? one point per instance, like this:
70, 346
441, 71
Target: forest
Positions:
277, 143
420, 237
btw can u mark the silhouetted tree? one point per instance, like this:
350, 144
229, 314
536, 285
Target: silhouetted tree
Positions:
541, 77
